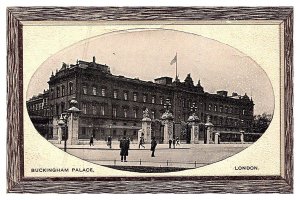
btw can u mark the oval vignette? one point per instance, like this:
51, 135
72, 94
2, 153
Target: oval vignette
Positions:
113, 78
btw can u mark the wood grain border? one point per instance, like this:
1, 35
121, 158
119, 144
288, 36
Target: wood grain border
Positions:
17, 183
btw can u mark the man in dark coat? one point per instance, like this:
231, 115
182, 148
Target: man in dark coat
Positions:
153, 146
124, 146
109, 142
92, 140
170, 143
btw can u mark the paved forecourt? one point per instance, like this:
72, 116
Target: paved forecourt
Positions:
183, 156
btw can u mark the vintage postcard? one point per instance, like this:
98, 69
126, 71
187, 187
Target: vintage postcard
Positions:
166, 98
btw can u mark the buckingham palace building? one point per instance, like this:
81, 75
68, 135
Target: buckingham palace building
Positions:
112, 105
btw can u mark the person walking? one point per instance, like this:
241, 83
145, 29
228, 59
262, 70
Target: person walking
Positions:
153, 146
109, 142
177, 141
141, 143
170, 143
124, 145
92, 140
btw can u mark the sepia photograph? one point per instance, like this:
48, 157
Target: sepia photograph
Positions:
150, 100
116, 97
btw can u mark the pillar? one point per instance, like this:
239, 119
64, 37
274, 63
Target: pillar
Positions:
168, 130
146, 126
146, 129
217, 137
209, 129
59, 130
56, 130
193, 121
73, 129
242, 137
195, 133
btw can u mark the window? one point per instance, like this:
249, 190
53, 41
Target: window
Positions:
83, 130
94, 110
57, 91
102, 110
125, 96
161, 100
114, 112
153, 114
215, 108
115, 94
84, 110
94, 91
209, 107
153, 99
221, 108
70, 88
135, 96
183, 103
62, 107
244, 112
62, 90
52, 93
135, 113
84, 89
103, 92
226, 109
125, 112
144, 98
57, 109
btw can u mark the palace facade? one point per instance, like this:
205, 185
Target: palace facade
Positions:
113, 105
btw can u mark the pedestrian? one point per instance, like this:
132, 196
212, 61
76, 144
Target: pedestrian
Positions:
170, 143
124, 145
141, 143
177, 141
174, 142
128, 141
153, 146
92, 140
109, 142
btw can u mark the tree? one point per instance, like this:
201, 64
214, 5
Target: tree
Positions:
262, 122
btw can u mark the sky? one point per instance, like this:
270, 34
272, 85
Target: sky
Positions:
146, 54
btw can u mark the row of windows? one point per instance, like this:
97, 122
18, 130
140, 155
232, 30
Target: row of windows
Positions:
225, 109
61, 90
124, 95
116, 111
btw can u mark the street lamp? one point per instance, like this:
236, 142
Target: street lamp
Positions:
63, 122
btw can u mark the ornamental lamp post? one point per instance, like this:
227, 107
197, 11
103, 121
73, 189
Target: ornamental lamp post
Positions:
63, 120
72, 112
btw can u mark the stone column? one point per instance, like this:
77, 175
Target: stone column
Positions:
209, 127
242, 136
217, 136
56, 130
146, 126
73, 128
168, 130
193, 120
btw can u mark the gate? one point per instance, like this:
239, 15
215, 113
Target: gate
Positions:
157, 130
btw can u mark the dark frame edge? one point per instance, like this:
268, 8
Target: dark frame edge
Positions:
15, 171
288, 101
14, 142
